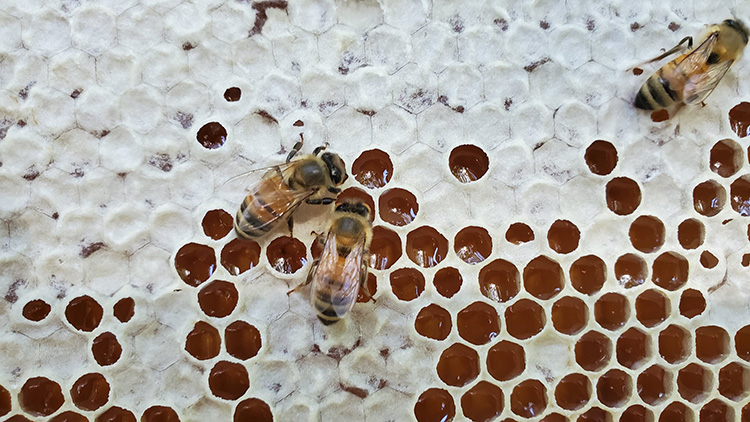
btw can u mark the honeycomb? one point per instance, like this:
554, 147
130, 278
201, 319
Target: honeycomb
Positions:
542, 251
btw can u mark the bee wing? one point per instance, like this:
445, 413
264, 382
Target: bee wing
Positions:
702, 85
697, 58
347, 277
242, 178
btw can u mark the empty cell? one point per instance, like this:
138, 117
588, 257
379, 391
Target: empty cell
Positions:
218, 298
563, 236
458, 365
709, 198
543, 277
692, 303
373, 169
519, 233
726, 158
601, 157
478, 323
647, 233
529, 398
434, 322
407, 283
385, 248
573, 391
569, 315
203, 341
611, 311
694, 382
652, 308
654, 384
499, 280
482, 402
734, 381
447, 281
631, 270
593, 351
623, 195
286, 254
739, 192
691, 233
674, 344
670, 271
473, 244
587, 274
524, 319
426, 247
711, 344
434, 405
468, 163
614, 388
228, 380
506, 360
633, 348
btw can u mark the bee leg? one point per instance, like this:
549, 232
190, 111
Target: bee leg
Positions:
319, 237
295, 148
318, 150
290, 224
307, 281
674, 49
363, 284
321, 201
334, 190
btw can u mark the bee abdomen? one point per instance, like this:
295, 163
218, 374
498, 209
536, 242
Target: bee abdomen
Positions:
248, 223
655, 94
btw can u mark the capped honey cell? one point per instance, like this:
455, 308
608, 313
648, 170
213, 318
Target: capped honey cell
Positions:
253, 409
212, 135
458, 365
407, 283
670, 271
385, 248
468, 163
709, 198
499, 280
647, 233
739, 192
654, 384
739, 119
623, 195
524, 319
691, 233
543, 277
40, 396
434, 322
447, 281
593, 351
611, 311
573, 391
195, 263
614, 388
505, 360
124, 309
286, 254
36, 310
473, 244
633, 348
726, 158
734, 382
563, 237
398, 206
203, 341
435, 405
116, 414
694, 382
519, 233
218, 298
529, 398
90, 391
160, 414
587, 274
630, 270
242, 340
373, 169
106, 349
426, 247
217, 224
569, 315
478, 323
84, 313
228, 380
711, 344
482, 402
674, 344
601, 157
651, 308
240, 255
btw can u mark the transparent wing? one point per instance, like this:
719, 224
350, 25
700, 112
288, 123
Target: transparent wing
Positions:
245, 178
352, 274
702, 85
696, 60
340, 279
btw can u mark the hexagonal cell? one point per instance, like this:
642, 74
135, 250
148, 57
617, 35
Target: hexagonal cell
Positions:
670, 271
739, 192
654, 384
435, 404
573, 391
742, 342
438, 126
717, 410
106, 349
505, 360
458, 365
240, 255
601, 157
388, 48
159, 414
228, 380
195, 263
652, 308
633, 348
478, 323
524, 319
614, 388
40, 396
734, 381
569, 315
593, 351
447, 281
563, 236
692, 303
623, 195
203, 341
398, 206
36, 310
543, 277
218, 298
519, 233
726, 158
414, 89
630, 270
674, 344
738, 119
676, 411
140, 28
468, 163
407, 283
694, 382
691, 233
456, 84
587, 274
482, 402
286, 254
48, 33
473, 244
434, 322
647, 233
84, 313
711, 344
426, 247
708, 260
373, 168
385, 248
529, 398
709, 198
90, 391
611, 311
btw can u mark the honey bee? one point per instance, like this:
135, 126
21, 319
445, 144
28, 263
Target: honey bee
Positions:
692, 76
284, 187
342, 267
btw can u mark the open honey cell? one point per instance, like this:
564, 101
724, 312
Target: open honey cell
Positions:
739, 191
709, 198
124, 309
742, 342
458, 365
385, 248
218, 299
482, 402
708, 260
434, 322
652, 308
716, 410
69, 416
106, 349
654, 384
734, 381
84, 313
242, 340
212, 135
711, 344
676, 412
195, 263
595, 414
674, 344
593, 351
160, 414
240, 255
435, 405
286, 254
368, 289
614, 388
90, 392
543, 277
255, 410
633, 348
373, 169
356, 193
601, 157
573, 391
694, 382
612, 310
468, 163
623, 195
647, 233
739, 120
569, 315
426, 247
40, 396
228, 380
691, 233
5, 401
529, 398
447, 281
116, 414
587, 274
203, 341
407, 283
519, 233
505, 360
499, 280
36, 310
478, 323
398, 206
670, 271
726, 158
563, 236
630, 270
524, 319
637, 413
551, 417
217, 224
473, 244
232, 94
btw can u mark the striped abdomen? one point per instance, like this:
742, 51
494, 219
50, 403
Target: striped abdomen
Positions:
658, 92
265, 206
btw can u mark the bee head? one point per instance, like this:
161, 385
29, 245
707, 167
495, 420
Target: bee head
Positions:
336, 167
354, 206
739, 27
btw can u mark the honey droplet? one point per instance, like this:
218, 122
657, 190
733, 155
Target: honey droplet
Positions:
468, 163
212, 135
90, 392
398, 206
240, 255
593, 351
218, 299
524, 319
733, 381
232, 94
84, 313
195, 263
124, 309
660, 115
693, 383
458, 365
286, 254
40, 396
385, 248
601, 157
637, 413
473, 244
739, 119
632, 348
426, 247
116, 414
692, 303
708, 260
5, 401
478, 323
482, 402
433, 322
228, 380
726, 158
611, 311
505, 360
742, 342
630, 270
254, 410
716, 410
711, 344
407, 283
36, 310
357, 194
623, 195
739, 191
371, 286
691, 233
203, 342
587, 274
447, 281
543, 277
529, 399
106, 349
654, 384
519, 233
217, 224
673, 344
670, 271
563, 236
435, 405
373, 169
647, 233
573, 391
651, 308
499, 280
614, 388
709, 198
243, 341
569, 315
676, 412
69, 416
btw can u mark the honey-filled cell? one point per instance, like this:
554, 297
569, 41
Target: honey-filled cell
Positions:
725, 158
124, 309
458, 365
524, 319
709, 198
529, 398
694, 382
670, 271
651, 308
447, 281
385, 248
426, 247
253, 410
203, 341
543, 277
68, 416
505, 360
160, 414
551, 417
499, 280
407, 283
676, 412
717, 410
368, 289
593, 351
473, 244
217, 224
601, 157
478, 323
84, 313
242, 340
18, 418
595, 414
482, 402
708, 260
36, 310
630, 270
623, 195
373, 169
40, 396
240, 255
398, 207
5, 401
739, 192
195, 263
734, 381
637, 413
212, 135
228, 380
569, 315
654, 384
218, 298
90, 391
614, 388
286, 254
519, 233
739, 121
435, 405
106, 349
573, 391
434, 322
611, 311
468, 163
232, 94
563, 237
647, 233
674, 344
587, 274
742, 343
633, 348
691, 233
711, 344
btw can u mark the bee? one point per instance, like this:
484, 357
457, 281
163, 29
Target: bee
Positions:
692, 76
342, 267
284, 187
